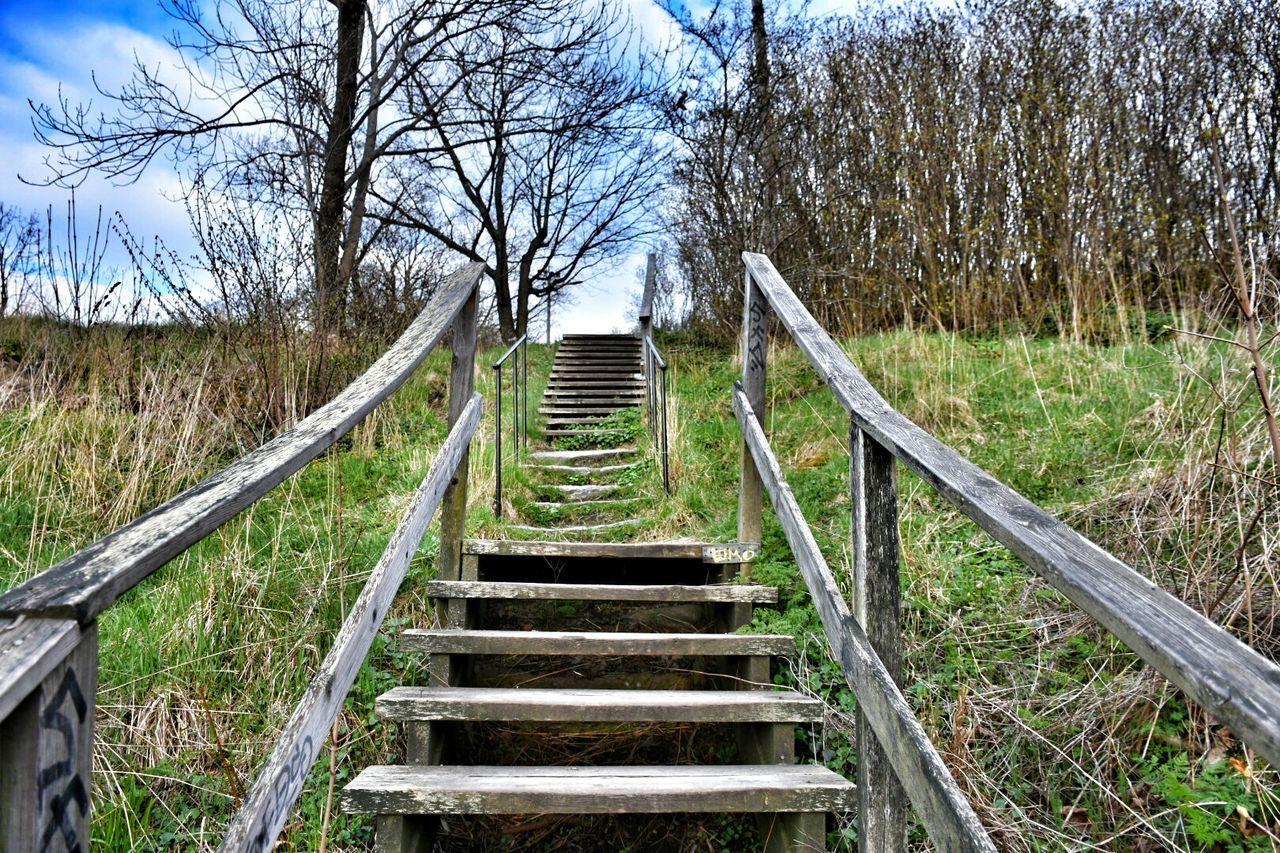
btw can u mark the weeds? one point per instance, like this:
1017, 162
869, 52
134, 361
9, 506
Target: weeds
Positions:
1060, 736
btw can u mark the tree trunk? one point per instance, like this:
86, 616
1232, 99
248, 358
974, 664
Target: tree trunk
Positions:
328, 234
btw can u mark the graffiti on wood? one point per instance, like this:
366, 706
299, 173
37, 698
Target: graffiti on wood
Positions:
734, 552
290, 777
757, 337
60, 788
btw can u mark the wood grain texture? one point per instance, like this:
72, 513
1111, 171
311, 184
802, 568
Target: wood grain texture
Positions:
755, 353
629, 550
584, 455
942, 808
29, 650
1233, 682
266, 810
668, 593
877, 605
596, 790
86, 583
46, 756
549, 705
592, 643
462, 380
650, 287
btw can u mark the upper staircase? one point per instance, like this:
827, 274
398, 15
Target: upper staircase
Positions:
576, 482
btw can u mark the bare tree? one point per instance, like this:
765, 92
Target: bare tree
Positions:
285, 106
19, 241
544, 165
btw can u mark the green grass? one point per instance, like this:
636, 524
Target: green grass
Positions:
1058, 734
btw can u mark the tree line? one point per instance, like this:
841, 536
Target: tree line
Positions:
991, 162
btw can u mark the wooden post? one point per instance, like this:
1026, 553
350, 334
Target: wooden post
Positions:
46, 755
877, 595
453, 508
755, 349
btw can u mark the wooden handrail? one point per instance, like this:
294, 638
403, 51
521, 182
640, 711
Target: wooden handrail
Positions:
650, 285
86, 583
943, 809
48, 627
266, 810
1233, 682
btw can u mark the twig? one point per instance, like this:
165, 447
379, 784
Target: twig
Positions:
1245, 300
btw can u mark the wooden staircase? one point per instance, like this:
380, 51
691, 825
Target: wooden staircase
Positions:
592, 377
576, 490
617, 646
595, 680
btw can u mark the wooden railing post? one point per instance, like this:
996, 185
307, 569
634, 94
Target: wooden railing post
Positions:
462, 380
755, 350
877, 595
46, 734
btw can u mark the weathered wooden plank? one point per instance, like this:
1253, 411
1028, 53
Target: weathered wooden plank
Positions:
629, 550
86, 583
578, 528
453, 509
46, 754
948, 817
1233, 682
547, 705
877, 605
650, 287
796, 832
755, 353
588, 471
29, 650
671, 593
592, 643
264, 813
596, 790
579, 494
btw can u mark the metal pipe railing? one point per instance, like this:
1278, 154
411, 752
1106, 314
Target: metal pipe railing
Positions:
519, 410
656, 391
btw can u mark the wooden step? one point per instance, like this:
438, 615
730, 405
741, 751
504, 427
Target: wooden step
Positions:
559, 431
590, 422
618, 400
597, 706
615, 359
615, 550
612, 401
597, 790
572, 494
587, 470
591, 643
586, 505
600, 411
593, 384
576, 528
582, 455
664, 593
578, 368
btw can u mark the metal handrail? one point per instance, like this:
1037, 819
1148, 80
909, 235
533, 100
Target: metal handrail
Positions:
657, 394
519, 410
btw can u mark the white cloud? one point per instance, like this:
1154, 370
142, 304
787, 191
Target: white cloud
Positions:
54, 65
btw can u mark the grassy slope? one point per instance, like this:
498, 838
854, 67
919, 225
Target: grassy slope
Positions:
1059, 734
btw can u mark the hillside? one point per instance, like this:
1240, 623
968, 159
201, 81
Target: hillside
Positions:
1058, 734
